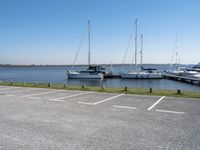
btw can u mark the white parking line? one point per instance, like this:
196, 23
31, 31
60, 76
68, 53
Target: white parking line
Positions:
167, 111
151, 107
34, 97
108, 99
60, 98
8, 88
55, 100
19, 91
88, 103
9, 95
30, 95
126, 107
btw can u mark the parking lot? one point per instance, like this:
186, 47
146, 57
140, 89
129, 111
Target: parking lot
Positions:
36, 118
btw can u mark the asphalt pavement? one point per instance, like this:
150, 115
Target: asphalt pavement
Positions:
48, 119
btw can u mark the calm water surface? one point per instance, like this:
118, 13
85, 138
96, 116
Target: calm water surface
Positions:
58, 75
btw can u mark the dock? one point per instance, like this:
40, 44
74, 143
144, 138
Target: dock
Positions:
182, 79
112, 76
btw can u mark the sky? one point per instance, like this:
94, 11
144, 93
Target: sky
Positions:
50, 31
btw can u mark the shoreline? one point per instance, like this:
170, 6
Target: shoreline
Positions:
125, 90
69, 65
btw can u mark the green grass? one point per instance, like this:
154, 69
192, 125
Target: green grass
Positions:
139, 91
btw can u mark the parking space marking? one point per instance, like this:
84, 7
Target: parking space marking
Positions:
88, 103
126, 107
19, 91
55, 100
108, 99
60, 98
151, 107
8, 88
9, 95
30, 95
167, 111
34, 97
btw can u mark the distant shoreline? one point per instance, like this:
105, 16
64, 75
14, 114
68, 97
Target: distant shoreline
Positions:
33, 65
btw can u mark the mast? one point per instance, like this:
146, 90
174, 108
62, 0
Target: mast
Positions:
89, 42
141, 52
136, 42
177, 49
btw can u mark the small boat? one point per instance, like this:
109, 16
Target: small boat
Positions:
92, 72
195, 68
190, 74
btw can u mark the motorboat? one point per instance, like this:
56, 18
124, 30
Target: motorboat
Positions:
184, 72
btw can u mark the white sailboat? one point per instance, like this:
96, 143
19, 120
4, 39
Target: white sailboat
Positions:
144, 73
181, 71
92, 72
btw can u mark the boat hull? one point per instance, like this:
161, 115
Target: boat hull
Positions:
141, 76
84, 76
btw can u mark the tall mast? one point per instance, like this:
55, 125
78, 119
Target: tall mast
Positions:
89, 42
141, 52
177, 49
136, 42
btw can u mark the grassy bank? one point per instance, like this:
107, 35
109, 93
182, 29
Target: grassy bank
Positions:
108, 90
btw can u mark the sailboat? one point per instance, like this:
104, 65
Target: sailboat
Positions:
144, 73
92, 72
181, 71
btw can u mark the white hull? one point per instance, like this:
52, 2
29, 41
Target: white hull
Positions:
77, 75
189, 74
141, 76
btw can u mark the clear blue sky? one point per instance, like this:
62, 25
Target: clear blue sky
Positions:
49, 31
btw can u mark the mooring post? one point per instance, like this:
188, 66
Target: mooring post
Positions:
178, 91
150, 90
126, 88
103, 87
49, 84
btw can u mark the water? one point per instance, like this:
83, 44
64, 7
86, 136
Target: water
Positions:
58, 75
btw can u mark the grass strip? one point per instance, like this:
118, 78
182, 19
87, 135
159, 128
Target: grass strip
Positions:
139, 91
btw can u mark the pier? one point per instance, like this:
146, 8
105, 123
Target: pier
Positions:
182, 79
118, 76
112, 76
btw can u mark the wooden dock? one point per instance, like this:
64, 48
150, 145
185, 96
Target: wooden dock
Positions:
182, 79
112, 76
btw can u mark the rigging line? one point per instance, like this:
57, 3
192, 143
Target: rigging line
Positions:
172, 58
79, 47
129, 42
133, 60
174, 52
134, 56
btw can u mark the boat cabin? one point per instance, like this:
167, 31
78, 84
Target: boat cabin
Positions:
96, 68
150, 70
